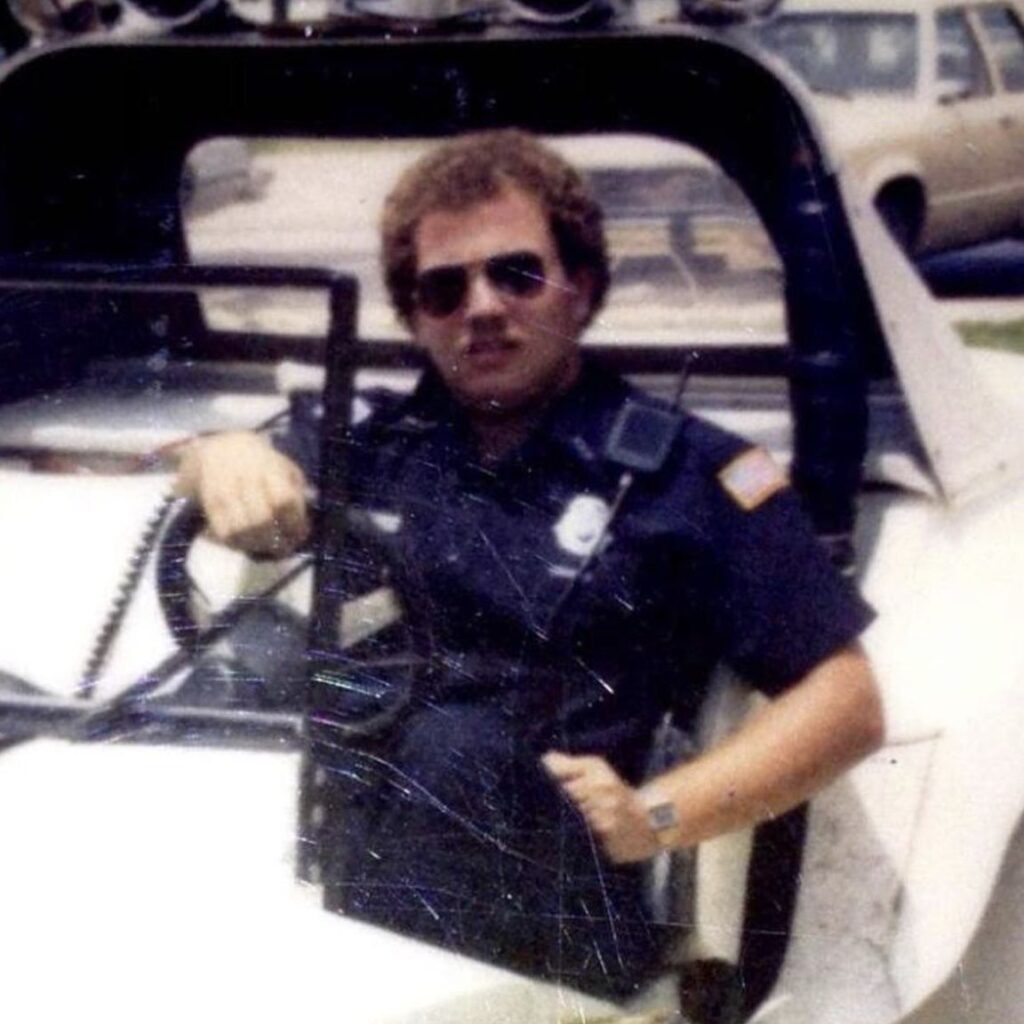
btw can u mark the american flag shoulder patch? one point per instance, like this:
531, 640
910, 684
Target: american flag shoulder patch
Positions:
752, 478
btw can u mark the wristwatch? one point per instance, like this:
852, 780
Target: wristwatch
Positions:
663, 820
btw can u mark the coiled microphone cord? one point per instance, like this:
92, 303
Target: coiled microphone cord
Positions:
137, 563
126, 591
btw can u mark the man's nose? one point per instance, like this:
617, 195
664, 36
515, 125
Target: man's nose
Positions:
482, 298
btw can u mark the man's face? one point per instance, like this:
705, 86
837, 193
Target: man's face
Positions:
495, 310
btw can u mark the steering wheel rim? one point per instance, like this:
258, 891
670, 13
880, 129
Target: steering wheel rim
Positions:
378, 640
174, 585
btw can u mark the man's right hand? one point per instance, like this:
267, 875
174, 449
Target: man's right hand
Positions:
253, 497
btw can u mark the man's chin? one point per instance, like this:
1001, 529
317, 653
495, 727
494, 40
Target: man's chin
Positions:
497, 405
506, 396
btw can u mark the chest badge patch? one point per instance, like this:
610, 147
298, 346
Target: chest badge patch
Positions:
579, 528
386, 522
752, 478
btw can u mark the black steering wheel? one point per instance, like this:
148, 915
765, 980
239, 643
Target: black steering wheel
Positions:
380, 648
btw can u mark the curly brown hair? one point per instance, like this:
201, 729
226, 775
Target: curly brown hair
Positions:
474, 168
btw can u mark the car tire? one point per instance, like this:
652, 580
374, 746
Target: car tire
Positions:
902, 209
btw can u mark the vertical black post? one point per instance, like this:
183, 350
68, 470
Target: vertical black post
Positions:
773, 885
828, 322
339, 388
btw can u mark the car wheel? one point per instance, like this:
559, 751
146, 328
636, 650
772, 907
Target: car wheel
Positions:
902, 208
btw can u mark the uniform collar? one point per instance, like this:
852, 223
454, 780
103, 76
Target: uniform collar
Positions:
580, 420
577, 422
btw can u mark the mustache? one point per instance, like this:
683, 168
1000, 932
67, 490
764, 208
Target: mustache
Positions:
487, 343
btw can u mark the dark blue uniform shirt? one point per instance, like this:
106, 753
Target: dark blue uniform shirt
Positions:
454, 833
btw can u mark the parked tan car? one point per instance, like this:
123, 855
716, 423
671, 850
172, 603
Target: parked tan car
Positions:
924, 101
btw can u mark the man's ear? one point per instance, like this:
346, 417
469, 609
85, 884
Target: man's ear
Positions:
411, 324
582, 282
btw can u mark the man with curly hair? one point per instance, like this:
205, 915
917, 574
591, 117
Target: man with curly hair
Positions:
575, 595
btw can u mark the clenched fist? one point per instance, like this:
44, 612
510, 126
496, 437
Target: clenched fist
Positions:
613, 809
253, 497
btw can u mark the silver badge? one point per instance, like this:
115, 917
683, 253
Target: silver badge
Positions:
581, 524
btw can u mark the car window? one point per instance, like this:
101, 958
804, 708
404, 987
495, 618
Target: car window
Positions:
1003, 30
691, 262
847, 53
960, 61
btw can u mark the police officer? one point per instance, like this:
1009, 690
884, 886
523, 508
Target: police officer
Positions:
573, 600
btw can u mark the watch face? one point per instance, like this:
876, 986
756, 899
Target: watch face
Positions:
662, 816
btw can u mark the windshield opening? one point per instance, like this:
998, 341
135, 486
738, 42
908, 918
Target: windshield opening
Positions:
690, 259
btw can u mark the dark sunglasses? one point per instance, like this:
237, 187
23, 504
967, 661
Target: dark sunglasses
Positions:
442, 290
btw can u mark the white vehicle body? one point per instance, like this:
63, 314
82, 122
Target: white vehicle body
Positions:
160, 881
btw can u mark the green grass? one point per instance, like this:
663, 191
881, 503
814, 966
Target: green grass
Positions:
1007, 336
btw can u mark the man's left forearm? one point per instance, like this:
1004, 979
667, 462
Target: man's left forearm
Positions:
781, 756
784, 754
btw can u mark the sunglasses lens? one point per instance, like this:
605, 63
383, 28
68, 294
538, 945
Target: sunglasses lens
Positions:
516, 273
441, 291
